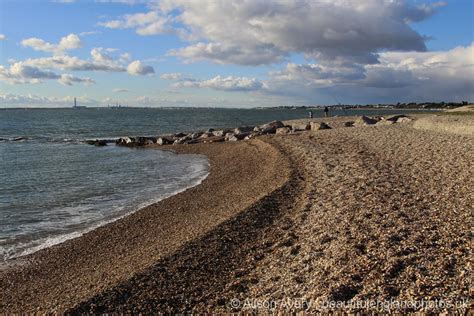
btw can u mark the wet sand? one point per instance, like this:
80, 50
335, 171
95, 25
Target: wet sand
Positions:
357, 213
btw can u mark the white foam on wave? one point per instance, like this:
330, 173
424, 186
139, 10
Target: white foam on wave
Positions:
36, 245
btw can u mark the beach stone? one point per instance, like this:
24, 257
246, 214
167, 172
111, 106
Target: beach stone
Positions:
182, 140
364, 120
394, 118
209, 131
206, 135
315, 126
269, 128
179, 135
97, 142
349, 124
405, 119
196, 135
385, 122
283, 130
243, 129
123, 141
232, 138
164, 141
219, 133
301, 126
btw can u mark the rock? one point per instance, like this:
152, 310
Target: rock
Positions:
196, 135
182, 140
269, 128
349, 124
219, 133
123, 141
404, 119
283, 130
394, 118
100, 143
364, 120
301, 126
385, 122
243, 129
209, 131
232, 138
236, 136
316, 126
164, 141
206, 135
179, 135
17, 139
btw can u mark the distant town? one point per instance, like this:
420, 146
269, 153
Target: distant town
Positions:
411, 105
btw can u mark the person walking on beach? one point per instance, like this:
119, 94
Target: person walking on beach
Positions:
326, 111
310, 114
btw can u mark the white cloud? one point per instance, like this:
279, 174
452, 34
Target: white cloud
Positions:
400, 76
89, 33
173, 76
150, 23
223, 83
262, 32
73, 63
138, 68
20, 73
69, 42
2, 37
98, 55
68, 80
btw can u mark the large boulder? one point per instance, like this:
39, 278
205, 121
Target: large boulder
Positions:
221, 132
316, 126
97, 142
206, 135
394, 118
384, 122
405, 119
236, 136
196, 135
364, 120
179, 135
123, 141
182, 140
243, 129
283, 130
164, 141
301, 126
269, 128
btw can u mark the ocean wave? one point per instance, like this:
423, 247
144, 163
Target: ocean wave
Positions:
199, 172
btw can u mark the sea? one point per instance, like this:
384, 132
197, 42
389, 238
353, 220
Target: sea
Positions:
54, 187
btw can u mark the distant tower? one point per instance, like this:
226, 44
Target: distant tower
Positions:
75, 103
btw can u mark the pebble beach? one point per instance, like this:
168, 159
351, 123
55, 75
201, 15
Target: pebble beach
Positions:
362, 212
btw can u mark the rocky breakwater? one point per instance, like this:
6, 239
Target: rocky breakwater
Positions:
246, 132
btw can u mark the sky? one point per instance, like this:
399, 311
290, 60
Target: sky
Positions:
229, 53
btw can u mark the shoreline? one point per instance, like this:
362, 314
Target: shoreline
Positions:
47, 242
146, 236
